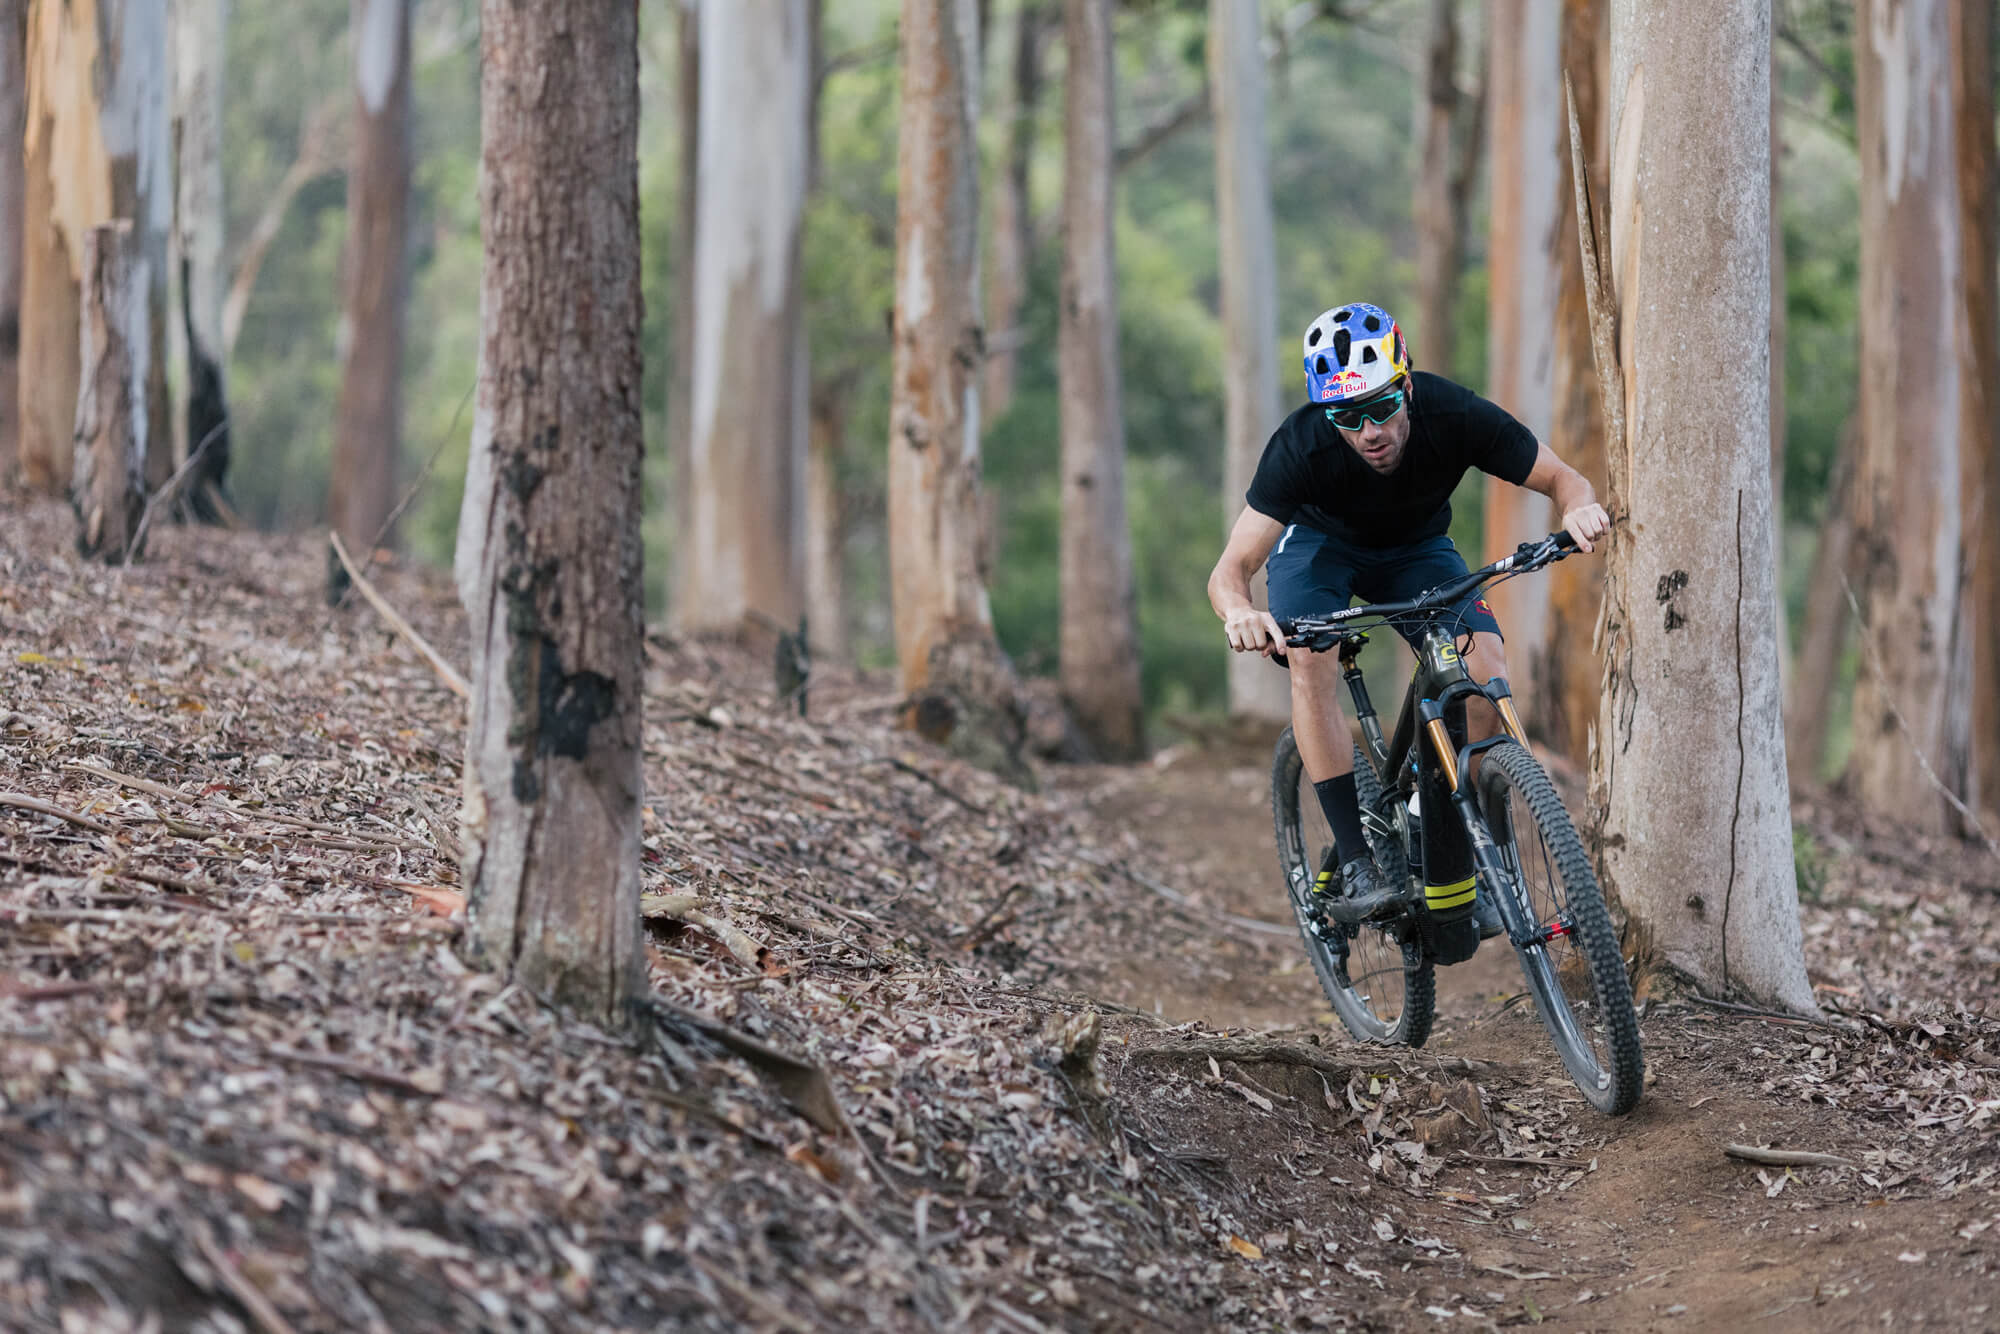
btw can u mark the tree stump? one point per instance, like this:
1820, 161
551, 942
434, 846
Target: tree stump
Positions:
108, 471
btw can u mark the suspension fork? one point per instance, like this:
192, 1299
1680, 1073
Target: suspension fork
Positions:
1489, 864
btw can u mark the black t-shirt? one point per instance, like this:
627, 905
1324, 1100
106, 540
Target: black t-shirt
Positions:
1310, 475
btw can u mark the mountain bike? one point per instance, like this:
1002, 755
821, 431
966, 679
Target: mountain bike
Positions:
1379, 973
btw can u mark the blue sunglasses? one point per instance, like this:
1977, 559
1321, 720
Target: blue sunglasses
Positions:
1380, 409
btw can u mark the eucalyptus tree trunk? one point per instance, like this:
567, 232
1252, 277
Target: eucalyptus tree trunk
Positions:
1913, 403
108, 469
1568, 674
1823, 635
1013, 218
1248, 251
680, 387
1525, 210
201, 407
948, 659
1976, 661
1100, 632
549, 556
1450, 138
1688, 775
826, 520
13, 32
743, 550
95, 148
367, 438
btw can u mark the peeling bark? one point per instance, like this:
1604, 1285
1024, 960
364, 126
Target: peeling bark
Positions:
1569, 675
549, 558
1696, 829
1912, 405
1247, 247
1099, 647
367, 437
949, 660
108, 470
95, 148
1526, 210
743, 551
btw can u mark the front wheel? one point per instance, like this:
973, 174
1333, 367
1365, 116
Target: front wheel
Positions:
1573, 966
1376, 979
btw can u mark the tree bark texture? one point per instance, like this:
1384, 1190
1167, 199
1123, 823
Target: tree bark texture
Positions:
13, 37
948, 658
201, 409
367, 437
1695, 830
1913, 399
1452, 127
1977, 657
108, 469
1567, 674
1526, 209
743, 550
1823, 635
1247, 249
1099, 646
1013, 217
826, 521
549, 557
95, 148
680, 389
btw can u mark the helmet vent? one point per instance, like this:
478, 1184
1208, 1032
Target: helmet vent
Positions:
1320, 365
1313, 336
1372, 324
1368, 355
1343, 315
1342, 340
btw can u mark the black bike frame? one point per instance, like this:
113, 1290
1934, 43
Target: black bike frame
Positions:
1439, 685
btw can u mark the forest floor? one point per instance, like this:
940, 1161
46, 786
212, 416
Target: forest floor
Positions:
921, 1051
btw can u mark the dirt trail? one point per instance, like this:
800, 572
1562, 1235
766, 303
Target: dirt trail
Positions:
1659, 1230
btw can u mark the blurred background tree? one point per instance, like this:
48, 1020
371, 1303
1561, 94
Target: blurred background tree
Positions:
1345, 88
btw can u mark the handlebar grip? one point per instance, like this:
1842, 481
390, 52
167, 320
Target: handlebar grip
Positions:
1564, 542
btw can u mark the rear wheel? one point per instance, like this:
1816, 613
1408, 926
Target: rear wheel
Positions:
1377, 983
1573, 969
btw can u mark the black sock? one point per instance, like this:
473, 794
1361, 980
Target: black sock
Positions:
1343, 812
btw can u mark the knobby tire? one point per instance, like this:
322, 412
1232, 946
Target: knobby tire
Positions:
1298, 857
1552, 875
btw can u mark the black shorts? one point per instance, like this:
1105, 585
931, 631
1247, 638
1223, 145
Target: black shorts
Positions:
1313, 573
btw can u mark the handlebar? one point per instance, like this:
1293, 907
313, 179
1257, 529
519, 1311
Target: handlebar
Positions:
1313, 631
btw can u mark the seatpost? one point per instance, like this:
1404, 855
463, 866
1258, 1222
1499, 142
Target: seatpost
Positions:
1357, 689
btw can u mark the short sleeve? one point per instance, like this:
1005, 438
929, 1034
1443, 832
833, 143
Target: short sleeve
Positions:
1500, 445
1277, 489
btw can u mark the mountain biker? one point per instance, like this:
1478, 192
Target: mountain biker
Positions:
1352, 496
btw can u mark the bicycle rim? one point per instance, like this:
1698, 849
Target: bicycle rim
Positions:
1380, 989
1576, 975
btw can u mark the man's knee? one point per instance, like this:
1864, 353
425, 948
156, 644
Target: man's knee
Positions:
1488, 657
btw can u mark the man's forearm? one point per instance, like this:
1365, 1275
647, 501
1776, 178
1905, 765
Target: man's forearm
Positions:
1228, 590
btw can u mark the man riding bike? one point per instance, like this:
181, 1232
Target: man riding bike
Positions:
1354, 493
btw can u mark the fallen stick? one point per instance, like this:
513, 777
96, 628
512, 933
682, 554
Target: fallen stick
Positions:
22, 801
353, 1070
1784, 1157
445, 671
688, 908
242, 1289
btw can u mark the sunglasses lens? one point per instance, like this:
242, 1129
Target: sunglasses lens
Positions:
1377, 410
